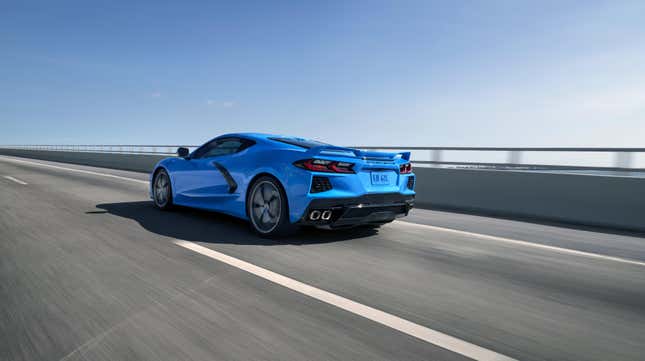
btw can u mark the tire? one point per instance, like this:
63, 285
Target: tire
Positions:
162, 190
267, 208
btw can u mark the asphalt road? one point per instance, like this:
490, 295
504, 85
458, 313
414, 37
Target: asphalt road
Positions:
89, 270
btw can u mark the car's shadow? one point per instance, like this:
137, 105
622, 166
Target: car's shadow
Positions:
204, 226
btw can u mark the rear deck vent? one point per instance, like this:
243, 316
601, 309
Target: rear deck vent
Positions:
411, 182
320, 184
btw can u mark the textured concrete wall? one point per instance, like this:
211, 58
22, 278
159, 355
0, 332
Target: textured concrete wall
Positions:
134, 162
615, 202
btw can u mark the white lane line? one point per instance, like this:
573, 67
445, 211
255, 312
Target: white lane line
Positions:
421, 332
73, 170
523, 243
15, 180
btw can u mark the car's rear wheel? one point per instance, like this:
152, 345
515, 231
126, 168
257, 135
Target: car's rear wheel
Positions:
162, 190
268, 209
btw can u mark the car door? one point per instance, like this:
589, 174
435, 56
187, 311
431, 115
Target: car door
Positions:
204, 182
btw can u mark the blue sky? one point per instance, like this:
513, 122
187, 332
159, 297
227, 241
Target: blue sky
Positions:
461, 73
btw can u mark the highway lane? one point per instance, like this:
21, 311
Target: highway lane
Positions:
89, 270
99, 288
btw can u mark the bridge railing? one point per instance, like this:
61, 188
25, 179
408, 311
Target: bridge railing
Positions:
502, 158
527, 158
162, 149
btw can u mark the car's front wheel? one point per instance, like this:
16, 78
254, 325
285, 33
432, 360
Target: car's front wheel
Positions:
268, 209
162, 190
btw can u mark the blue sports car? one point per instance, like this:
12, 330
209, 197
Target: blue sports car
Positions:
279, 182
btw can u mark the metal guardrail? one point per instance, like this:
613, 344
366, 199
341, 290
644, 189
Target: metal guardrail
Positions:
622, 159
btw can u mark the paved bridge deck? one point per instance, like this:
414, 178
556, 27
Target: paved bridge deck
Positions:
90, 270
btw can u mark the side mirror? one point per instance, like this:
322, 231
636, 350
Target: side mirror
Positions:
182, 152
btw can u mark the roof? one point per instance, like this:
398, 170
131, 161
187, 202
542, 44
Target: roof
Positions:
254, 135
285, 140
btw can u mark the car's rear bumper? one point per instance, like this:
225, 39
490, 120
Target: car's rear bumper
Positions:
366, 209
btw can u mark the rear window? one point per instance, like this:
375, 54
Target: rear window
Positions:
304, 143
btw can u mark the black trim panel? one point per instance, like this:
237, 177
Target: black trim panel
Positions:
232, 186
366, 209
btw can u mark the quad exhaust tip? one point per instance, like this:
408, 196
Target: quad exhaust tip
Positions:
318, 214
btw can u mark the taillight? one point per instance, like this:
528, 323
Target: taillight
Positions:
405, 168
342, 167
323, 165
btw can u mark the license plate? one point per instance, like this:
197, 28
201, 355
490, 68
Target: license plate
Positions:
380, 178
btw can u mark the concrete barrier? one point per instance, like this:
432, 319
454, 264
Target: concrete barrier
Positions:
615, 202
133, 162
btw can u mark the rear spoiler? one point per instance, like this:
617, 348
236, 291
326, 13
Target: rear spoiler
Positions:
358, 153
